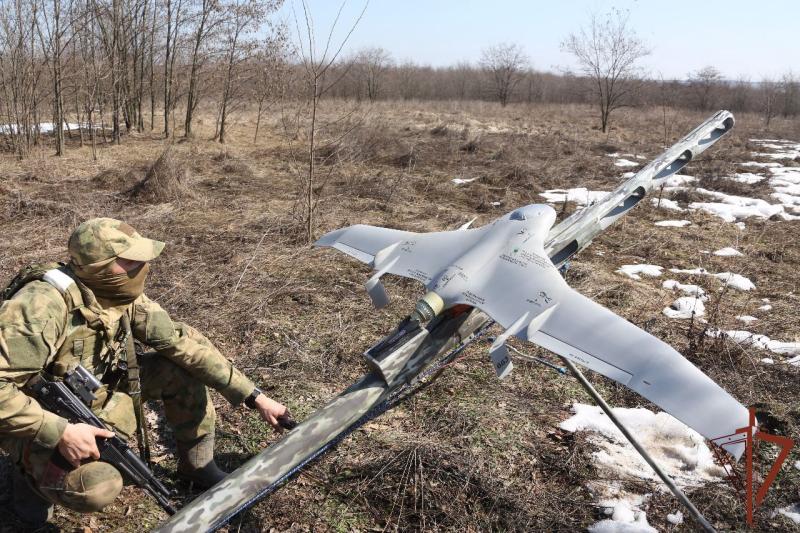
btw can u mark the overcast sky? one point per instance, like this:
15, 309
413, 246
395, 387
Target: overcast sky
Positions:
738, 37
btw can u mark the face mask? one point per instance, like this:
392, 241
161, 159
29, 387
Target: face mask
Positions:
112, 289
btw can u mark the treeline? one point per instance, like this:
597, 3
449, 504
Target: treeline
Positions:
130, 65
371, 75
97, 69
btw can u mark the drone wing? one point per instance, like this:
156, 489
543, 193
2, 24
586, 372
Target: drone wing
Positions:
419, 256
530, 299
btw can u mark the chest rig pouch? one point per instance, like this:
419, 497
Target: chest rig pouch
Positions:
87, 342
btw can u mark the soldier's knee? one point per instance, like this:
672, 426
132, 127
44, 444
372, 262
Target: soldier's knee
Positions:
90, 487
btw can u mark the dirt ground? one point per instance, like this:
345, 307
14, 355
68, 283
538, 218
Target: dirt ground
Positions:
469, 453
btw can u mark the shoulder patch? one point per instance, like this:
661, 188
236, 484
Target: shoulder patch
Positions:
58, 279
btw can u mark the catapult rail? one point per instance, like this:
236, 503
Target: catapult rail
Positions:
267, 470
576, 232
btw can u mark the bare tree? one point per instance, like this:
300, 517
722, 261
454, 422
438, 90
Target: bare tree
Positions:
174, 13
207, 15
242, 20
504, 63
315, 65
769, 91
790, 90
608, 51
272, 67
370, 69
704, 84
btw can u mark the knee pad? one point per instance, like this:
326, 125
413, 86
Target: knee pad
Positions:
90, 487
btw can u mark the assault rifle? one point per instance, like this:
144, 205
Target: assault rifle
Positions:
70, 399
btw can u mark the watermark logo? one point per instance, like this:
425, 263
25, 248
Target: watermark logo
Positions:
749, 436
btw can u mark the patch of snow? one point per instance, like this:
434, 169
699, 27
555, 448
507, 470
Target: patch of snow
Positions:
496, 204
730, 279
736, 281
729, 213
623, 520
792, 512
691, 290
680, 450
685, 307
745, 177
666, 203
677, 180
766, 307
672, 223
579, 195
758, 164
746, 318
675, 518
728, 252
768, 361
628, 175
740, 225
797, 465
48, 127
762, 342
694, 271
625, 163
462, 181
784, 348
633, 271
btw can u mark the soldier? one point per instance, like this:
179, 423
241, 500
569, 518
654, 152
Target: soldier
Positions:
76, 314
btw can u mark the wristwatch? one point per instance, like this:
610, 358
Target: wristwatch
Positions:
250, 401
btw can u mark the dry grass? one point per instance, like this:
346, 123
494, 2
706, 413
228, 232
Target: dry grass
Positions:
469, 453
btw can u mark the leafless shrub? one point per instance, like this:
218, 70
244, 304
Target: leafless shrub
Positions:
165, 181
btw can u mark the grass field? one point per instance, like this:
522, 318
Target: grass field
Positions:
469, 453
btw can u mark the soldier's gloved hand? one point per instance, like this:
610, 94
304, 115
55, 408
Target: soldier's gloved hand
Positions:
270, 410
78, 442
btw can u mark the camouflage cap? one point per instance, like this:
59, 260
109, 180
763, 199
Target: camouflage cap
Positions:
99, 239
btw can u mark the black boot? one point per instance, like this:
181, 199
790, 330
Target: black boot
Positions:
196, 462
30, 507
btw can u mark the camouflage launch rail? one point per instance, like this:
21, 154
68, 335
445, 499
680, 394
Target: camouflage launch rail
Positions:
396, 364
261, 474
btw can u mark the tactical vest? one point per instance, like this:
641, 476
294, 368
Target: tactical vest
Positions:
85, 340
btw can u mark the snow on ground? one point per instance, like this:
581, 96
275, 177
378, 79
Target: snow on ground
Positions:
579, 195
792, 512
626, 163
680, 451
47, 127
730, 279
676, 180
462, 181
736, 281
666, 203
768, 360
765, 307
675, 518
746, 318
731, 207
745, 177
687, 288
633, 271
728, 252
672, 223
761, 342
685, 307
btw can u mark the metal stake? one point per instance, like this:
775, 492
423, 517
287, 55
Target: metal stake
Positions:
646, 456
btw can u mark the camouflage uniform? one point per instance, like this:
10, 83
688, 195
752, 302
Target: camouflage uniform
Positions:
56, 327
